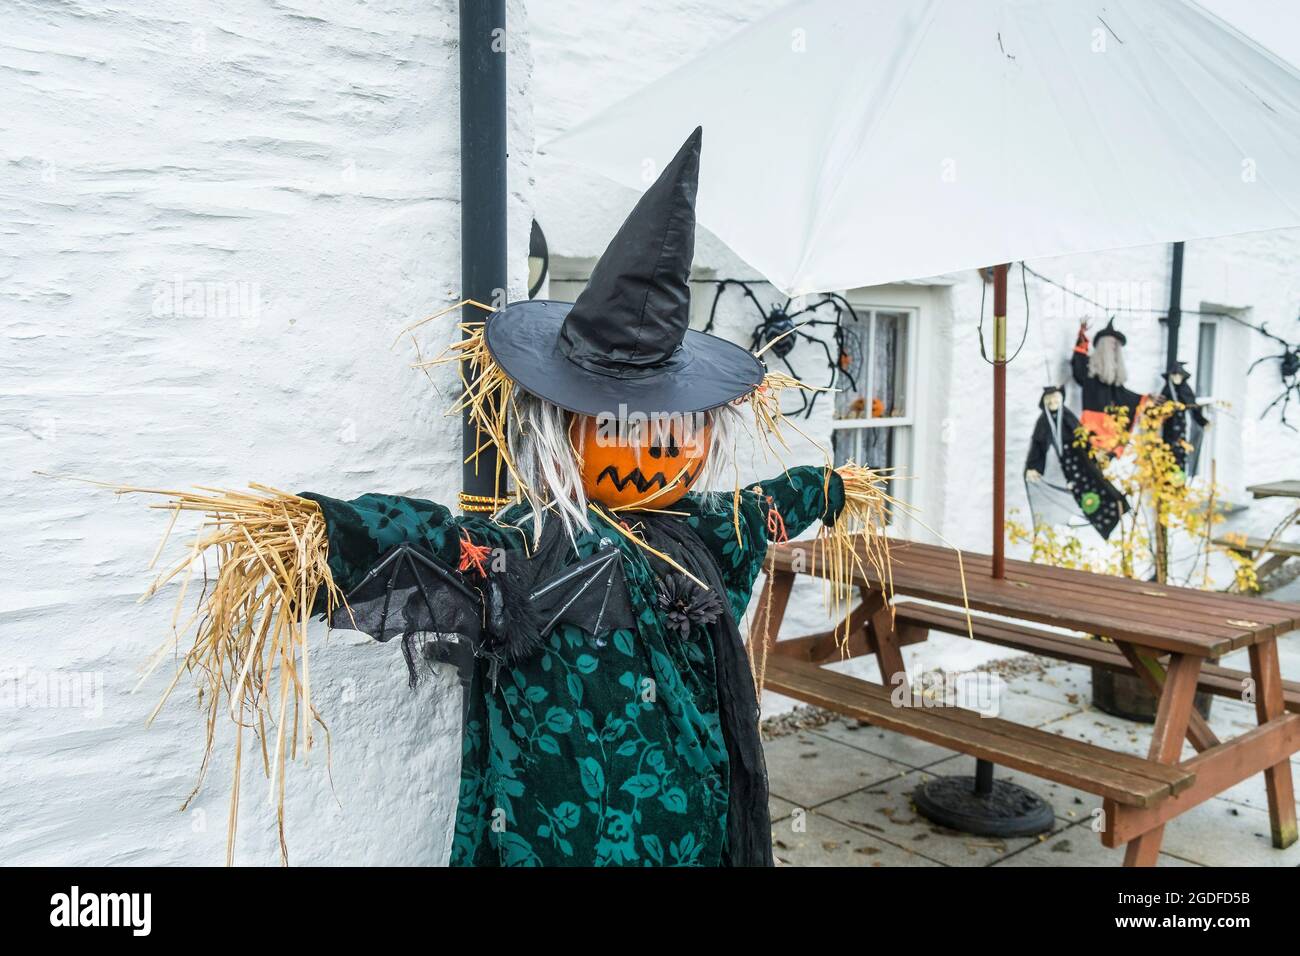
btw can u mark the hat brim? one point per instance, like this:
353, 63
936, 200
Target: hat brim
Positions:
524, 340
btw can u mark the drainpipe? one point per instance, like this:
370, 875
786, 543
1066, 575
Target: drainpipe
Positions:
1175, 317
482, 198
1173, 321
1000, 420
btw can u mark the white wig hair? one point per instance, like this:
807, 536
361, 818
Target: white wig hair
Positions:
549, 468
1106, 362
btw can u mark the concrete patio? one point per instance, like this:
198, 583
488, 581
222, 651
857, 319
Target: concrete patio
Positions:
841, 791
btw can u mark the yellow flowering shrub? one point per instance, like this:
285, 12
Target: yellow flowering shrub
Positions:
1164, 508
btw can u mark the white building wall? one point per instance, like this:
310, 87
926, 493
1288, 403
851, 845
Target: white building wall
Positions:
308, 153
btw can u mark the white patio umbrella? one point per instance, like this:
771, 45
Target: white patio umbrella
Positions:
856, 142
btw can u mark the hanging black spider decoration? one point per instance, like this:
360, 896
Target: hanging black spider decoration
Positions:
780, 328
1289, 367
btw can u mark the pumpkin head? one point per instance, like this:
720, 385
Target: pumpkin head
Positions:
651, 463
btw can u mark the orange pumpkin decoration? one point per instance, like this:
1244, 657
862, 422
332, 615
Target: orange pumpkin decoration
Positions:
651, 464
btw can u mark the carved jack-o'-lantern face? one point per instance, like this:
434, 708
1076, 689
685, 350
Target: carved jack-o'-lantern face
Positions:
651, 464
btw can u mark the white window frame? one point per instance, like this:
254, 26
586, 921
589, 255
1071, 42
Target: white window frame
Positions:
909, 398
907, 438
1210, 440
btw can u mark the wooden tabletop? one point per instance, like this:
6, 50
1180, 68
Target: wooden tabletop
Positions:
1182, 620
1276, 489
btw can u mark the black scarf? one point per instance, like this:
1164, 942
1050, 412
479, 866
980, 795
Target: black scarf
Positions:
749, 826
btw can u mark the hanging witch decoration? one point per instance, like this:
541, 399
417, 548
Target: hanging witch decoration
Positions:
1061, 478
1175, 430
611, 715
1101, 375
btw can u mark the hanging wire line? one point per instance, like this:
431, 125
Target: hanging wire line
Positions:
1114, 309
1024, 285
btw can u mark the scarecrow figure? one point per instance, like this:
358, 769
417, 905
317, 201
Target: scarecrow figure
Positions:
1175, 428
1057, 467
617, 724
1101, 374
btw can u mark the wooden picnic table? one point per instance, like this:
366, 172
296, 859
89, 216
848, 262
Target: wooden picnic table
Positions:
1268, 553
1169, 636
1276, 489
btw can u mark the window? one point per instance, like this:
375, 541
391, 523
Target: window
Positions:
873, 410
1206, 342
1204, 373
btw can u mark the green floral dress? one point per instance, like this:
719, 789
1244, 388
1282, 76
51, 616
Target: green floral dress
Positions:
595, 752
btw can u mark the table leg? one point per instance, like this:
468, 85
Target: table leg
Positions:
1153, 675
771, 610
1172, 719
1267, 674
888, 654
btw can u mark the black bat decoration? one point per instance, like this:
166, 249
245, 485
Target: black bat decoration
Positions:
503, 616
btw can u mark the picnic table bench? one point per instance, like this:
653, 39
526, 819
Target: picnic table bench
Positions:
1169, 636
1270, 553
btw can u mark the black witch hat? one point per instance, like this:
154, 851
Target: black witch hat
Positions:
1179, 367
1111, 331
625, 346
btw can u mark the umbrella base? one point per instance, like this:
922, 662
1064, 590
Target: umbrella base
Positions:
983, 806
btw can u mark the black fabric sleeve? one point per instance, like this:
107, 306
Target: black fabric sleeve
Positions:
1036, 460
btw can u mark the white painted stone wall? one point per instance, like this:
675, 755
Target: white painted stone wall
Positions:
307, 152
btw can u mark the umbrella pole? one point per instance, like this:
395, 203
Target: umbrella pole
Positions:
980, 804
999, 418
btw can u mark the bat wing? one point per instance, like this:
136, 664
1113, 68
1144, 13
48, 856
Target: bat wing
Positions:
591, 594
408, 591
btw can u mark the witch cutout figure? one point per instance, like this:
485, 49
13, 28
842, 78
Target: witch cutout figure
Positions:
1183, 442
1101, 375
611, 713
1062, 479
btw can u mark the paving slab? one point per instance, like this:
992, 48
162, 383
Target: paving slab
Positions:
826, 842
887, 811
1017, 704
1077, 846
1223, 833
807, 769
885, 743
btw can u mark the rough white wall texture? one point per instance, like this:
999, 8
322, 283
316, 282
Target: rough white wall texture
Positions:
291, 167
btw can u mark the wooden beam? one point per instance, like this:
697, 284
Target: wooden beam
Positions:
771, 611
1172, 718
1269, 705
888, 654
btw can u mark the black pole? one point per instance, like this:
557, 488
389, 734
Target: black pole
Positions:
1175, 317
482, 195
